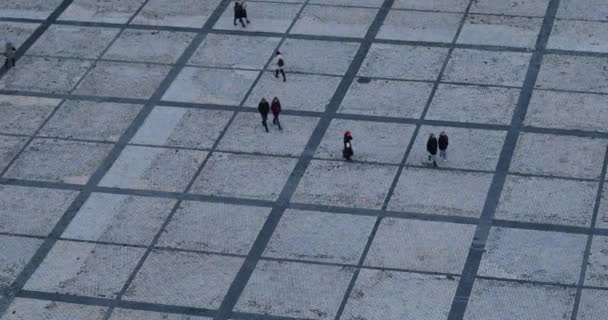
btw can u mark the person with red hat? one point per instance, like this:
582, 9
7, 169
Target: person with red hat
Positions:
348, 147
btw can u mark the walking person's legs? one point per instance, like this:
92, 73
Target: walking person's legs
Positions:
283, 73
443, 154
278, 122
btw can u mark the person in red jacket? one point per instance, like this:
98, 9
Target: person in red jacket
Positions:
275, 107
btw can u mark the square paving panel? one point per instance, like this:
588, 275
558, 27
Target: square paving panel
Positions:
568, 110
31, 309
487, 67
388, 98
602, 218
421, 245
472, 104
372, 141
562, 156
219, 50
17, 32
542, 200
264, 16
295, 290
24, 115
214, 227
126, 80
403, 62
432, 5
358, 3
593, 304
32, 211
583, 10
161, 169
176, 13
320, 236
535, 8
59, 161
462, 194
334, 21
246, 134
307, 56
337, 183
9, 148
187, 279
119, 219
390, 295
523, 301
579, 36
31, 9
244, 176
582, 73
89, 120
126, 314
48, 75
73, 41
533, 255
112, 11
302, 92
420, 26
214, 86
149, 46
86, 269
16, 253
464, 150
182, 127
505, 31
597, 266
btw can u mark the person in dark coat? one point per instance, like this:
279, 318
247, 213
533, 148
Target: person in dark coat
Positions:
10, 52
347, 152
244, 7
275, 107
264, 109
443, 146
239, 13
431, 147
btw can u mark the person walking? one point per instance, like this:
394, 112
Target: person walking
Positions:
443, 146
10, 52
244, 7
238, 13
347, 152
280, 64
275, 107
264, 109
431, 147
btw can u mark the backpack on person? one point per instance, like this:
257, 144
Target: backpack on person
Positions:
281, 63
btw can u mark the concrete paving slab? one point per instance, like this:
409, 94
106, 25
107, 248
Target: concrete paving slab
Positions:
500, 31
31, 309
433, 5
30, 9
119, 219
9, 148
387, 60
579, 36
64, 161
176, 13
112, 11
420, 26
24, 115
583, 9
359, 3
592, 304
536, 8
149, 46
234, 51
16, 253
583, 73
487, 67
16, 32
602, 218
160, 169
299, 55
126, 314
264, 16
234, 228
73, 41
598, 263
334, 21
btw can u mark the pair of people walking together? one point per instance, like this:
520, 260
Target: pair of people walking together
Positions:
240, 12
264, 108
433, 144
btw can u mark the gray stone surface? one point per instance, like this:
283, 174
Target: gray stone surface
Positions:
345, 184
58, 161
32, 9
16, 252
597, 268
32, 211
487, 67
235, 51
299, 55
500, 31
533, 255
334, 21
126, 314
16, 32
24, 115
360, 3
439, 5
579, 36
73, 41
30, 309
592, 304
186, 279
389, 295
295, 290
420, 245
602, 218
265, 16
119, 219
113, 11
234, 230
420, 26
320, 236
583, 9
386, 60
149, 168
543, 200
85, 269
9, 148
511, 7
149, 46
440, 192
583, 73
176, 13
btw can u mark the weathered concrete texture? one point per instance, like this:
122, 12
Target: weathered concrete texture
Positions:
583, 73
73, 41
500, 31
439, 5
90, 120
511, 7
359, 3
9, 148
113, 11
555, 155
303, 56
387, 60
597, 268
337, 183
30, 309
85, 269
16, 253
24, 115
186, 279
149, 46
244, 176
264, 16
602, 218
388, 295
533, 255
579, 36
295, 290
509, 300
420, 245
420, 26
232, 51
58, 161
32, 9
372, 141
487, 67
32, 211
176, 13
119, 219
126, 314
182, 127
583, 9
320, 236
16, 32
149, 168
334, 21
234, 227
440, 192
543, 200
592, 304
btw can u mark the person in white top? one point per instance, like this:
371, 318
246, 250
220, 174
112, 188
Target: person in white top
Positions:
280, 64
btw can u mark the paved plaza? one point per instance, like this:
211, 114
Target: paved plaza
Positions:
137, 182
